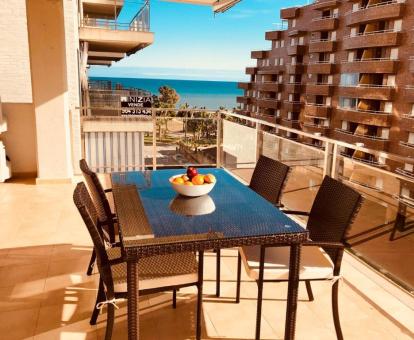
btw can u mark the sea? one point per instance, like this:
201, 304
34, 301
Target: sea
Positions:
196, 93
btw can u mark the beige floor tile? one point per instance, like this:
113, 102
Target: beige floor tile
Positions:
18, 324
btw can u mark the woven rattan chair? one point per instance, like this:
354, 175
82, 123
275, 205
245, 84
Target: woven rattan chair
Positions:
333, 210
268, 180
156, 273
106, 219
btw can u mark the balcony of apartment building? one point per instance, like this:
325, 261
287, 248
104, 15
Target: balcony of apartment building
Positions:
409, 93
292, 123
317, 110
259, 54
296, 50
383, 38
407, 122
268, 86
243, 100
322, 89
295, 68
367, 140
318, 128
368, 117
270, 69
325, 5
110, 35
101, 8
363, 157
289, 13
324, 23
47, 293
267, 115
244, 85
293, 87
320, 67
296, 33
370, 65
367, 91
273, 35
292, 105
407, 170
383, 10
251, 70
322, 45
268, 103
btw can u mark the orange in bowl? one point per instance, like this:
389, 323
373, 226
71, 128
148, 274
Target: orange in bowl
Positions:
198, 180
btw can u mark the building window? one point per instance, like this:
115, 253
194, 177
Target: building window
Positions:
347, 103
349, 79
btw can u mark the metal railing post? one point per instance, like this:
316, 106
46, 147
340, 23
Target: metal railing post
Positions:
219, 141
154, 140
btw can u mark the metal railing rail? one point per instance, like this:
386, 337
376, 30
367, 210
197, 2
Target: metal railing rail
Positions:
380, 4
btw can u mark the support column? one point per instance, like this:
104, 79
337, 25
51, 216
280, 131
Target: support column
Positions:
50, 89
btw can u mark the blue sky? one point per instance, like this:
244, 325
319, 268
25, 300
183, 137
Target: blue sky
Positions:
192, 43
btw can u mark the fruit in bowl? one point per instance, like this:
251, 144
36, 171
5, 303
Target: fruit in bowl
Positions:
192, 183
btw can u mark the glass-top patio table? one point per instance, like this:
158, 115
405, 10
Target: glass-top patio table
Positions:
230, 215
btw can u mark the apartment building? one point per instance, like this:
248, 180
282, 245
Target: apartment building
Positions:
46, 47
341, 69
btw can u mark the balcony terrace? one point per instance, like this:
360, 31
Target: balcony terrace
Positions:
408, 92
377, 118
291, 123
321, 67
243, 100
244, 85
380, 11
273, 35
374, 65
44, 286
368, 91
102, 8
322, 45
317, 110
407, 122
251, 70
276, 69
106, 35
315, 128
370, 142
296, 50
372, 39
268, 86
293, 106
268, 103
321, 89
324, 5
295, 68
327, 23
294, 87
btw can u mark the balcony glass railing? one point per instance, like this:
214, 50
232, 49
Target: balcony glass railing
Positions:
382, 235
139, 23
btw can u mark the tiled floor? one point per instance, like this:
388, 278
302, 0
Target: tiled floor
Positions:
45, 294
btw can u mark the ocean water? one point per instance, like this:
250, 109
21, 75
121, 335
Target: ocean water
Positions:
209, 94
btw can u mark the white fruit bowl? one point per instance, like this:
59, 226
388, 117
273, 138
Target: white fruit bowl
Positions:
191, 190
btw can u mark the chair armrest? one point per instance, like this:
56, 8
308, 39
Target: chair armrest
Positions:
108, 190
333, 245
295, 212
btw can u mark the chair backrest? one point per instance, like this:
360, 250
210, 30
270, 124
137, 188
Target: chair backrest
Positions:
97, 192
269, 178
333, 211
87, 210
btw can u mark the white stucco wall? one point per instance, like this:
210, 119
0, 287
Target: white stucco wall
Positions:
15, 83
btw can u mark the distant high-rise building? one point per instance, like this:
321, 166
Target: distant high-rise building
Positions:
341, 69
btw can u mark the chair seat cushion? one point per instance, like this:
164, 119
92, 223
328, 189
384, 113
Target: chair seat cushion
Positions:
314, 264
157, 271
